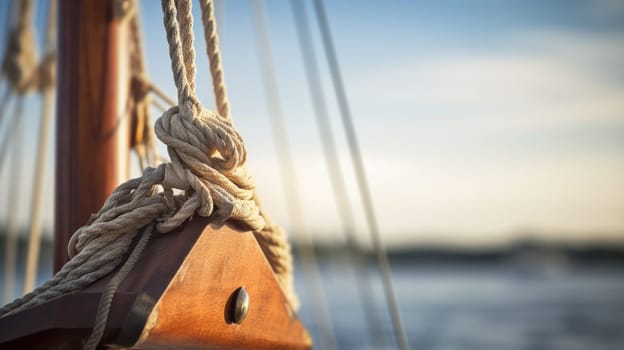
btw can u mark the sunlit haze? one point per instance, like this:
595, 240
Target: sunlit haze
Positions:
480, 122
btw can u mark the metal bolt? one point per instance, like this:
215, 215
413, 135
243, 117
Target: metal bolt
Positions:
241, 305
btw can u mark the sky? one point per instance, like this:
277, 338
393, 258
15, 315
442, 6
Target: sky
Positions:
480, 122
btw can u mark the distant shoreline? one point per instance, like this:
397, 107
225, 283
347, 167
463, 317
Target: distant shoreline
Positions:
517, 251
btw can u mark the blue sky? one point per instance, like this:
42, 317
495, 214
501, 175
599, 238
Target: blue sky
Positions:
480, 121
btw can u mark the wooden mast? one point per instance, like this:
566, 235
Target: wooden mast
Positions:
92, 135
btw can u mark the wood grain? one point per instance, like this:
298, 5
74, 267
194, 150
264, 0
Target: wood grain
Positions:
92, 136
193, 314
177, 297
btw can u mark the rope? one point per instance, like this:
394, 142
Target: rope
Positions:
336, 177
185, 20
137, 58
271, 238
8, 19
46, 80
139, 101
321, 314
19, 63
358, 165
111, 288
107, 297
161, 94
34, 237
206, 171
159, 106
4, 138
99, 247
214, 55
16, 136
50, 41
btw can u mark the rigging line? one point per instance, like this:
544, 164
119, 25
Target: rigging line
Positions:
161, 108
162, 95
158, 157
211, 36
358, 165
15, 176
334, 168
108, 294
34, 237
50, 43
4, 102
309, 261
4, 139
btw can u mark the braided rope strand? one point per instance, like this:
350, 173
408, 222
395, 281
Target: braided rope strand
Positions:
214, 56
185, 19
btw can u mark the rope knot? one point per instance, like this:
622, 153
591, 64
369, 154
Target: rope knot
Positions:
206, 175
190, 108
207, 161
140, 86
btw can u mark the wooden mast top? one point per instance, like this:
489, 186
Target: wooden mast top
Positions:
92, 135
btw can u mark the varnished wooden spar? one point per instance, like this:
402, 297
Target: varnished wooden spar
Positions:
92, 135
177, 297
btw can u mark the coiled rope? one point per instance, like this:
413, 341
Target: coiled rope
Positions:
207, 170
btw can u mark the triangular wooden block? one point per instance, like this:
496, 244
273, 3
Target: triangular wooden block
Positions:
179, 296
194, 309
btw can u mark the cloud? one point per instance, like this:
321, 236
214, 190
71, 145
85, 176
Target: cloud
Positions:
437, 173
442, 201
606, 9
546, 80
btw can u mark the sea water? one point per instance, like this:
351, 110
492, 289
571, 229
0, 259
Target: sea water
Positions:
480, 306
454, 305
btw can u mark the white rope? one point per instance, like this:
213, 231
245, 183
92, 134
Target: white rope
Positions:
207, 167
19, 63
111, 288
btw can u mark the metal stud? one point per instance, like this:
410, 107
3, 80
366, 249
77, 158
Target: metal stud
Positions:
241, 305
